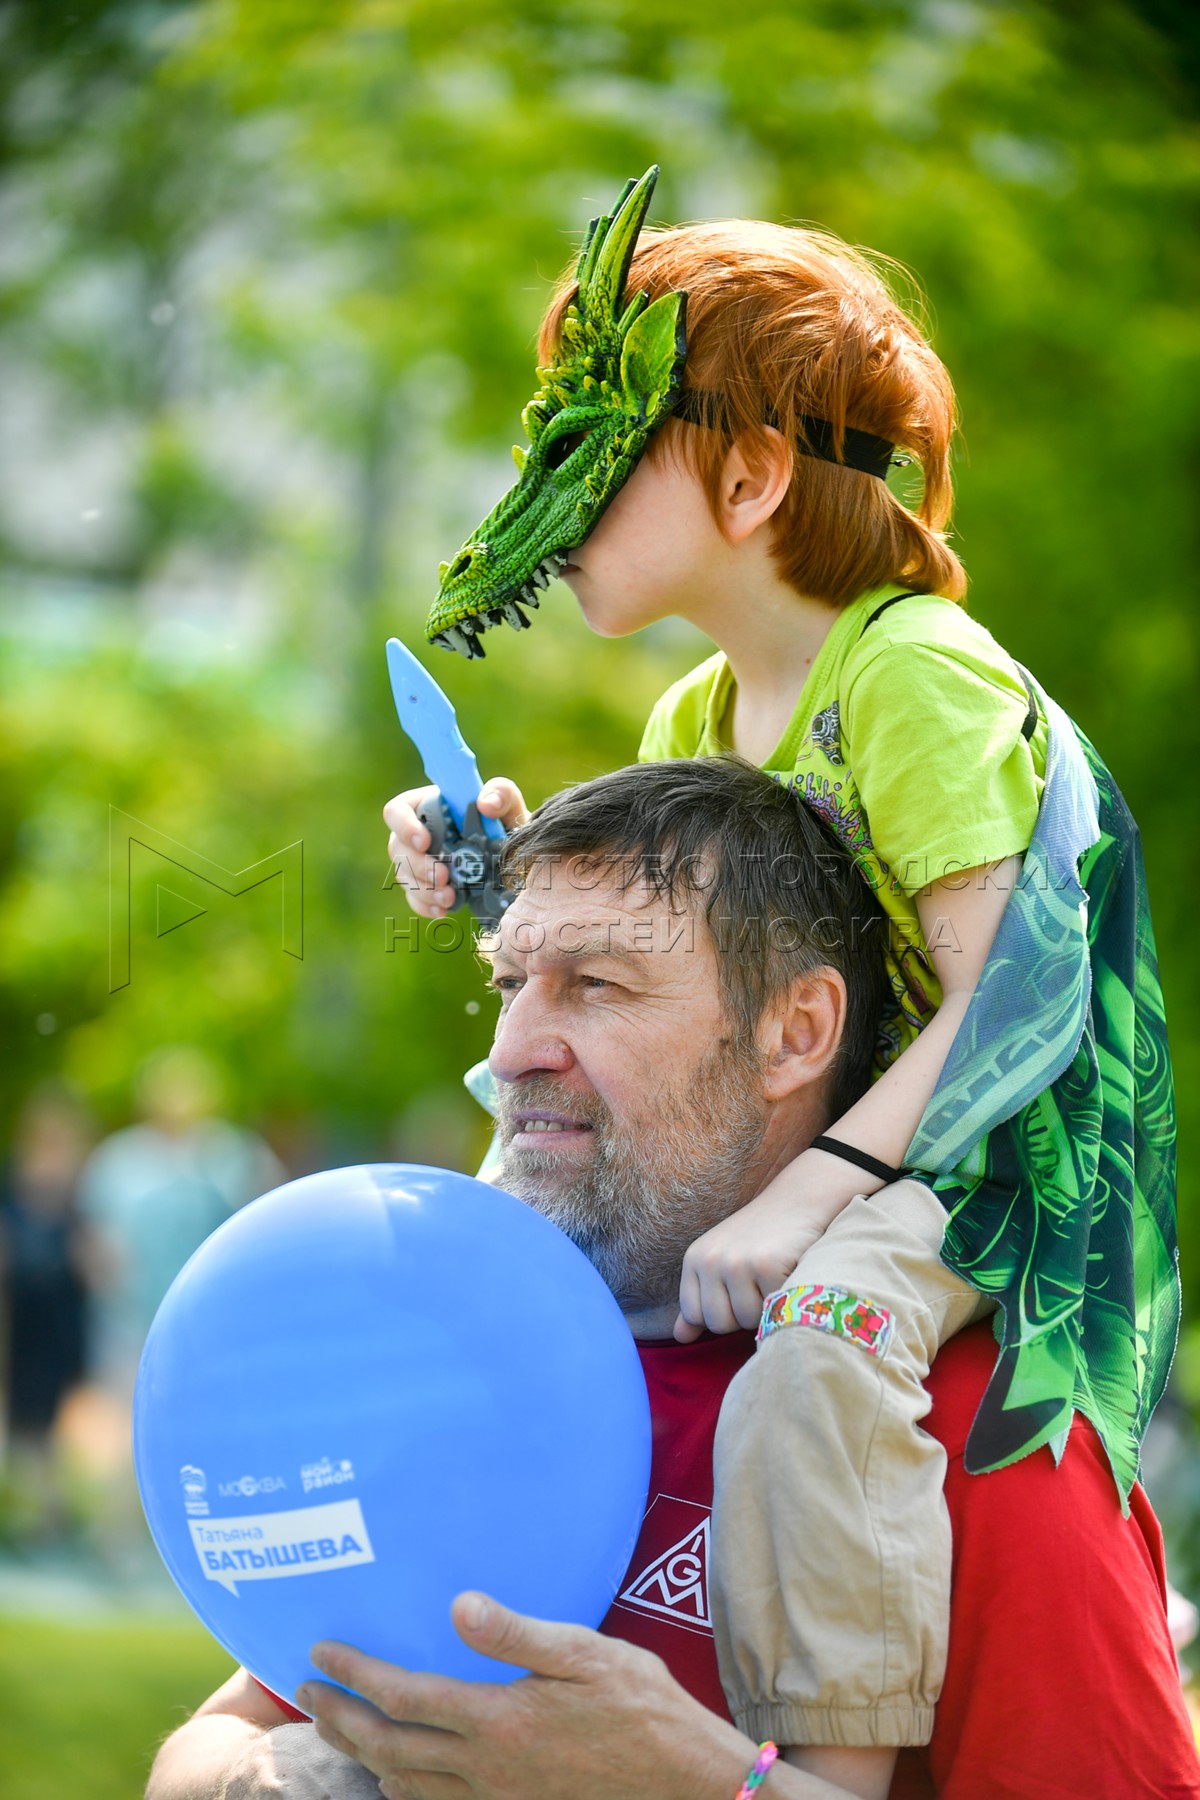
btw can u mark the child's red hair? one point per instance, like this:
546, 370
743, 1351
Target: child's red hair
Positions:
792, 321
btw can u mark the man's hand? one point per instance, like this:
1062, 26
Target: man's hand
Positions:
594, 1718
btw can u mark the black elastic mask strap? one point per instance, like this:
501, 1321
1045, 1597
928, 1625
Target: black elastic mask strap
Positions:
860, 450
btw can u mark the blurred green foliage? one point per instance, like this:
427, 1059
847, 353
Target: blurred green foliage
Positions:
117, 1690
269, 284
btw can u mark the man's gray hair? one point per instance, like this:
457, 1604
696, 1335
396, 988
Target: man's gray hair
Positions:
780, 895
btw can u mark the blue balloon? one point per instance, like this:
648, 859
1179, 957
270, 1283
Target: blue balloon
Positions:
371, 1389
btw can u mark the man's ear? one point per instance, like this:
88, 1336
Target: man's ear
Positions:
804, 1033
753, 487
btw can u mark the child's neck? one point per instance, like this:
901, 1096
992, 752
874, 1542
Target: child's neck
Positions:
770, 641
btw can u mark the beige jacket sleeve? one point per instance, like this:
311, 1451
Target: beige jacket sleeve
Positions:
831, 1539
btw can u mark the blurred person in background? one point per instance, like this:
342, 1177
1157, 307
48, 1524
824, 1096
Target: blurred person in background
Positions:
43, 1279
154, 1191
150, 1194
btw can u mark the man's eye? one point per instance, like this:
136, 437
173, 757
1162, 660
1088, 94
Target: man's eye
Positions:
595, 981
504, 984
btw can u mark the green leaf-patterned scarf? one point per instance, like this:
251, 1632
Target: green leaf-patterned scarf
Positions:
1050, 1138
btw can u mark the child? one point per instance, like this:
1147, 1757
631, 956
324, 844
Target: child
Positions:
1022, 1074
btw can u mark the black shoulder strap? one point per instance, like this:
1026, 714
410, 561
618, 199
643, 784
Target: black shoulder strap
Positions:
1031, 716
909, 594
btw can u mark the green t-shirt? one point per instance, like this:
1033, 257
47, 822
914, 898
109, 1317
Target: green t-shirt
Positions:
908, 740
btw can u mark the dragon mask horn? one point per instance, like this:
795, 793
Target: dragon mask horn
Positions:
613, 380
607, 252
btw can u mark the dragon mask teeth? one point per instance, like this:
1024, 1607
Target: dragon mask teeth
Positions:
614, 379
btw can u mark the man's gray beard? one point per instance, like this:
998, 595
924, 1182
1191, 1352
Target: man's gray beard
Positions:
640, 1202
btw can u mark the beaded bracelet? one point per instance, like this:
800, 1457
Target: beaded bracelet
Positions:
766, 1756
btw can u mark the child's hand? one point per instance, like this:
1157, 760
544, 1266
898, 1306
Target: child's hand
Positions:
425, 880
728, 1273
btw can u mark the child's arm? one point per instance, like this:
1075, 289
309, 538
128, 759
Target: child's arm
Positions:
728, 1272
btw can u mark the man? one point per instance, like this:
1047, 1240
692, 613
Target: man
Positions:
689, 981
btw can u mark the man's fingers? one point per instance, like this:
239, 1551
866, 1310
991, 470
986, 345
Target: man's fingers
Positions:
386, 1747
399, 1694
408, 1785
684, 1332
540, 1645
328, 1735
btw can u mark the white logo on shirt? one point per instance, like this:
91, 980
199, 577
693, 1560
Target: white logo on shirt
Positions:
675, 1584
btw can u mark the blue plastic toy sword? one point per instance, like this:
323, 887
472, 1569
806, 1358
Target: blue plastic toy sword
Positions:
459, 833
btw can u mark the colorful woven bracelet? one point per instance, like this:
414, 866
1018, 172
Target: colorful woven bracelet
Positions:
766, 1756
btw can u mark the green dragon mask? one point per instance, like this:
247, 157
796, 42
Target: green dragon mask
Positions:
614, 379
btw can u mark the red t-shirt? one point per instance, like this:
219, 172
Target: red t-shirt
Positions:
663, 1600
1061, 1678
1061, 1681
